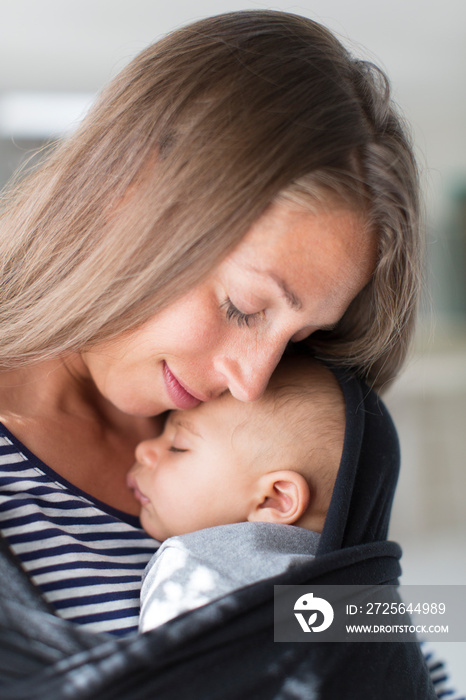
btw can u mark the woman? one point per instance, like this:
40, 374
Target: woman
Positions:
243, 184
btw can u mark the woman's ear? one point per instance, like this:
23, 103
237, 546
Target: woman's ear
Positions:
280, 497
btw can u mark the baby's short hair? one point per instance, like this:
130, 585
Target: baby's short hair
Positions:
305, 399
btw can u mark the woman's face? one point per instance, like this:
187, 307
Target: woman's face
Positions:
294, 272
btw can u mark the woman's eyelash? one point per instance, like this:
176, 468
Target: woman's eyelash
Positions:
176, 449
234, 314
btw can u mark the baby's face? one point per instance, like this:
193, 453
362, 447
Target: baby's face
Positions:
198, 473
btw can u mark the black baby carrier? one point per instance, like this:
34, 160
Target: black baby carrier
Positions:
226, 650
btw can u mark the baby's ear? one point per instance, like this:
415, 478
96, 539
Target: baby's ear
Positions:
280, 497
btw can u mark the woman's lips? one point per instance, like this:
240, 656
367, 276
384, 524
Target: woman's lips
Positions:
177, 393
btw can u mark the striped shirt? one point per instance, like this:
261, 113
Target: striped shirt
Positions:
86, 557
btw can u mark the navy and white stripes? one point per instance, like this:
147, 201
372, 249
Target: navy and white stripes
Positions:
87, 558
439, 675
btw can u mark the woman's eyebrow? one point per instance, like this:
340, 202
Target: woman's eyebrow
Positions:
292, 299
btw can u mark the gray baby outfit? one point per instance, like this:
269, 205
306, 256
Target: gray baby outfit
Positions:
194, 569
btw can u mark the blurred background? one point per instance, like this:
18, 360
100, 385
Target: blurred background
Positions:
56, 55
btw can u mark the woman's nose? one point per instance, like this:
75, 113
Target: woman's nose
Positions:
147, 454
247, 377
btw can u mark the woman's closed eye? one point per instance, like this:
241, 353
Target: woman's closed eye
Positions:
242, 319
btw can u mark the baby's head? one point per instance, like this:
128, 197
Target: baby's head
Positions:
225, 461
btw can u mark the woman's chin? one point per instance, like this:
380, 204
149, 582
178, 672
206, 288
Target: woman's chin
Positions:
139, 406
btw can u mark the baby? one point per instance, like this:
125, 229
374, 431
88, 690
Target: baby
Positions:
267, 464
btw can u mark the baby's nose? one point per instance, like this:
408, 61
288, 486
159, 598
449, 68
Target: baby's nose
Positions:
146, 453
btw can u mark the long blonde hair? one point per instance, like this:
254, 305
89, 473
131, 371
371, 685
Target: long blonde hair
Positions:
180, 155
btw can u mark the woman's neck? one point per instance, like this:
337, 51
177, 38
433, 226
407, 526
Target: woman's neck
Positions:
54, 408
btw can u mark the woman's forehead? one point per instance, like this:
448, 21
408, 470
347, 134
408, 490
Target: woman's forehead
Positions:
286, 233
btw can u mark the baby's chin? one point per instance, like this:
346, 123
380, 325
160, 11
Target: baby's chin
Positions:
149, 527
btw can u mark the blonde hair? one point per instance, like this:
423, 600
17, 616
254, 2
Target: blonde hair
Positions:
181, 154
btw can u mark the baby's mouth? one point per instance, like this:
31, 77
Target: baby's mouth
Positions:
133, 485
